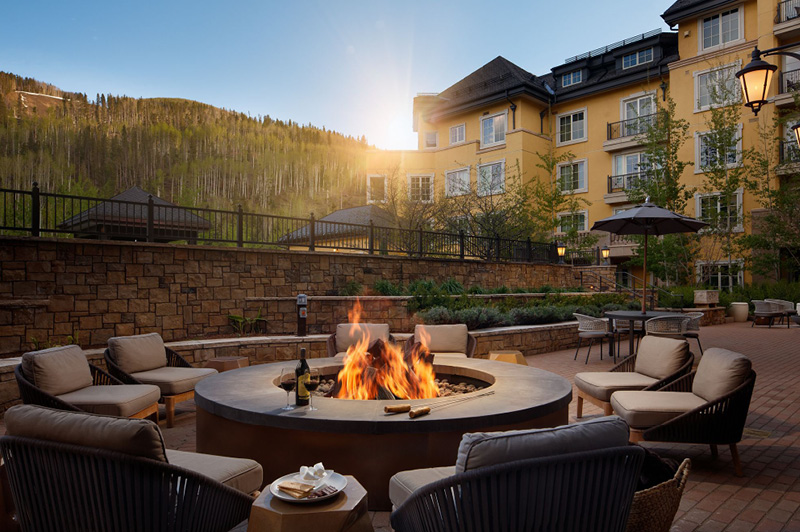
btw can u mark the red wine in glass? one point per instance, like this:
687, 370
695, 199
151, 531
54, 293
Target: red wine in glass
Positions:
287, 382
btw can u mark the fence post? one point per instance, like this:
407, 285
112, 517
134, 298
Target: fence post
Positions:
597, 255
312, 233
419, 242
529, 250
239, 226
150, 236
371, 244
35, 221
461, 244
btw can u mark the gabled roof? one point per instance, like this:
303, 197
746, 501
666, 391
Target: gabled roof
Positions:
682, 9
344, 222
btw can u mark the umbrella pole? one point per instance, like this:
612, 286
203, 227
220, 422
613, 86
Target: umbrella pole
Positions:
644, 276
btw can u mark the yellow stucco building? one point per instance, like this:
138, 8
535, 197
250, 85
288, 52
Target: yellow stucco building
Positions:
593, 105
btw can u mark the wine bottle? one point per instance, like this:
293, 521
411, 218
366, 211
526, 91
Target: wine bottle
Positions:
302, 374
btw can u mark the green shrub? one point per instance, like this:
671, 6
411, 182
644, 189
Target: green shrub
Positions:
436, 316
388, 288
451, 286
352, 288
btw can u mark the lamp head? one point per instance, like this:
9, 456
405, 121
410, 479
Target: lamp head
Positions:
755, 79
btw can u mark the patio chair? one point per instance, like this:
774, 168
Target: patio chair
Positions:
78, 471
444, 340
709, 405
621, 327
693, 328
144, 359
543, 479
591, 328
767, 310
659, 361
61, 377
348, 334
787, 309
667, 326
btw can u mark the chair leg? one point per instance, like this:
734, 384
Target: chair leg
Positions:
580, 407
700, 346
589, 352
577, 348
601, 349
169, 406
737, 463
714, 450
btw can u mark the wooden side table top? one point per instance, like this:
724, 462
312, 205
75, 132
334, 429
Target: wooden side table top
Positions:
512, 356
347, 512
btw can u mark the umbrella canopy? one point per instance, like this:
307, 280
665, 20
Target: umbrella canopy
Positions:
648, 219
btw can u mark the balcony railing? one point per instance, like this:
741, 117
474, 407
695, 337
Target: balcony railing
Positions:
789, 152
623, 182
788, 10
631, 126
790, 80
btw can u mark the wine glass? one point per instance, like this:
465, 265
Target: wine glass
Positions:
311, 384
287, 382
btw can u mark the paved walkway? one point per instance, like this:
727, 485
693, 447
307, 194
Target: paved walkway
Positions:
767, 498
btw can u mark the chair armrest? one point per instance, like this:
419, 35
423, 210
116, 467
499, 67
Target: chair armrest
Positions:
627, 365
720, 421
117, 372
682, 384
101, 378
31, 395
472, 344
330, 345
174, 360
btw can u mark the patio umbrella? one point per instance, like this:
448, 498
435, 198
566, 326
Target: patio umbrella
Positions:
648, 219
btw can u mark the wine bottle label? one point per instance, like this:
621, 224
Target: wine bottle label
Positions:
302, 391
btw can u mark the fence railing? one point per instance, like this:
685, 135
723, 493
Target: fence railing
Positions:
789, 152
790, 79
623, 182
36, 213
631, 126
787, 10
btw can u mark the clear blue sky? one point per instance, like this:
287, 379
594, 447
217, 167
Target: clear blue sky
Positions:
351, 66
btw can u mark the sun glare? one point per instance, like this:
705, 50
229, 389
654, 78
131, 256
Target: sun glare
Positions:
392, 129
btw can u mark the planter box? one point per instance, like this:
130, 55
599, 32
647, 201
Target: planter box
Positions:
706, 297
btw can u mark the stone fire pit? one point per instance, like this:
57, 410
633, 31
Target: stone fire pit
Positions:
239, 414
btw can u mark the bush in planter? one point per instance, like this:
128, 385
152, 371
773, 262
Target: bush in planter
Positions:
388, 288
436, 316
481, 317
452, 287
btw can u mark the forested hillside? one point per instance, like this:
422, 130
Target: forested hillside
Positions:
184, 151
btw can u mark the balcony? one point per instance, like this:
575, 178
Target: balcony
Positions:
627, 133
789, 82
787, 19
789, 157
619, 185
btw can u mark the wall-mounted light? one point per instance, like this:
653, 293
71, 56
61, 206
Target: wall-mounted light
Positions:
561, 249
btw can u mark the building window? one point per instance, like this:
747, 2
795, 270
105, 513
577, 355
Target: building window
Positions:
637, 58
721, 28
458, 133
572, 221
720, 275
572, 177
572, 127
493, 130
456, 182
492, 178
707, 155
420, 188
628, 169
717, 87
431, 139
376, 189
713, 209
571, 78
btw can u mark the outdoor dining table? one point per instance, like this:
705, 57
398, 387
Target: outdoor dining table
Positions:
632, 316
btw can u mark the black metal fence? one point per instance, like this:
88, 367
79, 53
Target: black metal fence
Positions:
787, 10
36, 213
789, 152
790, 79
630, 127
624, 182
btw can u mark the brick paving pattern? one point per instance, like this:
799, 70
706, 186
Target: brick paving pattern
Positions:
767, 498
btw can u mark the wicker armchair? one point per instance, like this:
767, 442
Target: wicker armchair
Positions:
591, 328
767, 310
693, 328
670, 326
787, 309
560, 492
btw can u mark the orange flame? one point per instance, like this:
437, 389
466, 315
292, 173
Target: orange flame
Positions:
364, 375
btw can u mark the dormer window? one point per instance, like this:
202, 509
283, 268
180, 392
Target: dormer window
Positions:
572, 78
637, 58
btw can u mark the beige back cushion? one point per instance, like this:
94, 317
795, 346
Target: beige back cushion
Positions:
481, 449
443, 338
660, 357
348, 334
138, 353
719, 372
138, 437
57, 370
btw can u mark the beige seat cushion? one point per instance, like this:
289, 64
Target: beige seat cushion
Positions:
348, 334
120, 400
660, 357
601, 384
643, 410
237, 473
138, 437
173, 381
138, 353
720, 372
442, 338
481, 449
404, 483
57, 370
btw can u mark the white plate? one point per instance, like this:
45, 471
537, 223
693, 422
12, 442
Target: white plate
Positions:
332, 479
